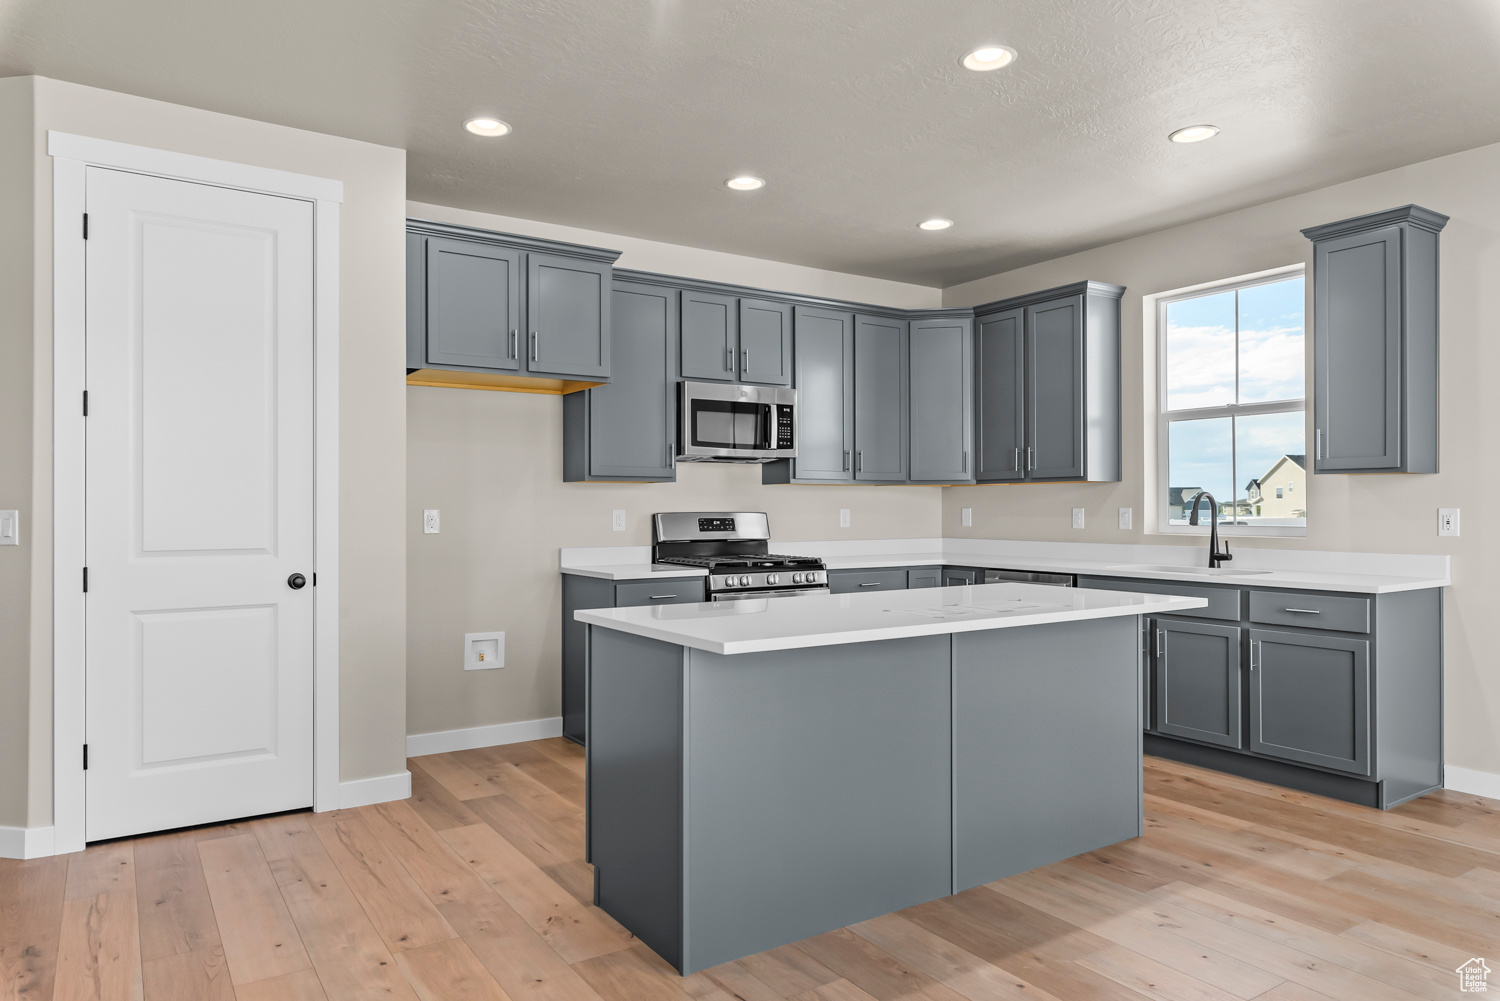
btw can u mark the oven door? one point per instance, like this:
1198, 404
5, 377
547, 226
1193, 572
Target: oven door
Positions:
721, 423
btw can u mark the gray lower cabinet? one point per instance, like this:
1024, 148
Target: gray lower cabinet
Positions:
765, 342
880, 399
1310, 699
627, 429
942, 405
1375, 343
852, 581
595, 592
1000, 395
924, 577
959, 577
1196, 676
710, 336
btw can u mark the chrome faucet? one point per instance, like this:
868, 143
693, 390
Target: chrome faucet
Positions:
1214, 556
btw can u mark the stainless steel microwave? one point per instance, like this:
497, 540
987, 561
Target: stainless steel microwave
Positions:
723, 423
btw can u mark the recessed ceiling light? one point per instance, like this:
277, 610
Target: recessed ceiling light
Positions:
487, 127
935, 224
989, 57
1194, 133
745, 182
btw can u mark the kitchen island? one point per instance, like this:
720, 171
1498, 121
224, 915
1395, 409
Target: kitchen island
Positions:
761, 771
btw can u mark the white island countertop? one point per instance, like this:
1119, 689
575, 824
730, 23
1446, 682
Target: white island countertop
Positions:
757, 625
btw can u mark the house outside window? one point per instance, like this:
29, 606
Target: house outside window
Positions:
1232, 374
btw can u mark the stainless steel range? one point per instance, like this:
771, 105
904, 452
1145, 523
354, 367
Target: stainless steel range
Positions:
732, 546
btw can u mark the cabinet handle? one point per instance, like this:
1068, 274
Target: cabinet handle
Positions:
870, 583
846, 461
1030, 459
728, 358
859, 461
1304, 611
1160, 636
1318, 451
965, 467
671, 454
533, 345
510, 352
658, 597
744, 360
1015, 464
1252, 653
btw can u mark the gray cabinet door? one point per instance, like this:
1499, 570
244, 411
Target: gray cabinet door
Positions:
880, 399
942, 403
765, 342
824, 341
859, 581
473, 305
631, 420
924, 577
1054, 389
710, 336
567, 317
1197, 672
1310, 699
1000, 371
1357, 352
955, 577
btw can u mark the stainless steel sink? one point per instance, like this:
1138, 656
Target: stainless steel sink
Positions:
1207, 571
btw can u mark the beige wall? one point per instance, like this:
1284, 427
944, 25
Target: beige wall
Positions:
492, 463
372, 411
1360, 513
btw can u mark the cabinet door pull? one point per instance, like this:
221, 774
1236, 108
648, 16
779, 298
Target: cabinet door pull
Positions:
846, 461
859, 460
510, 351
1030, 458
870, 583
1015, 463
658, 597
1252, 653
744, 361
1319, 448
965, 467
533, 345
1304, 611
1160, 636
728, 358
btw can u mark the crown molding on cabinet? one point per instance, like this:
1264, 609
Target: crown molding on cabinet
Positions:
537, 244
1031, 298
1414, 215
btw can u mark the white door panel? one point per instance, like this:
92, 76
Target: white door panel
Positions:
199, 503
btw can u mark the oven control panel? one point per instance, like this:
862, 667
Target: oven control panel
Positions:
784, 428
715, 524
780, 578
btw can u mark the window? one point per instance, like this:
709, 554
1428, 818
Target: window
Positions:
1232, 401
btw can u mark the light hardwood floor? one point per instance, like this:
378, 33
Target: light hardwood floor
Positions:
476, 888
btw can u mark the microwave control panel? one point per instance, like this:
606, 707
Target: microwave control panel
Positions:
784, 428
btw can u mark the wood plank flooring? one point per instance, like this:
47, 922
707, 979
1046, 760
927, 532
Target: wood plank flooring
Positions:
476, 888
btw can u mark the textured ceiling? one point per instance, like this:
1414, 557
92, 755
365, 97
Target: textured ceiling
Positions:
629, 114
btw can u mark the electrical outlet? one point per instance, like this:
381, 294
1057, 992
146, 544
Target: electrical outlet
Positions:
967, 514
843, 517
1448, 521
1078, 517
431, 522
484, 651
618, 522
1125, 519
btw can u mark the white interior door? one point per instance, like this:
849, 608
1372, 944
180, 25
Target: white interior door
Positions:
199, 501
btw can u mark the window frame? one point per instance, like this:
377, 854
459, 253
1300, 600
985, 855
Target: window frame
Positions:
1166, 418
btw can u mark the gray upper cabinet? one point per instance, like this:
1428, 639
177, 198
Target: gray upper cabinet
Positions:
880, 399
1310, 699
1000, 395
765, 342
710, 336
567, 311
942, 402
825, 395
627, 429
473, 305
1375, 342
1196, 669
1048, 385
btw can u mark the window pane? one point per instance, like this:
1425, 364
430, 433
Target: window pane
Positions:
1272, 361
1200, 459
1270, 452
1200, 352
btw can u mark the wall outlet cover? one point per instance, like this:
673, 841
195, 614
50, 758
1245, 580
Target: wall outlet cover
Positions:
1078, 517
10, 528
967, 516
618, 521
1448, 521
431, 522
1125, 514
843, 517
484, 651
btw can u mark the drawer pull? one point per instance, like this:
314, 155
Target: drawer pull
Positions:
1304, 611
870, 583
658, 597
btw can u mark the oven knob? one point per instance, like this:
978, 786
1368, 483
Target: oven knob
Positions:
744, 580
796, 578
773, 578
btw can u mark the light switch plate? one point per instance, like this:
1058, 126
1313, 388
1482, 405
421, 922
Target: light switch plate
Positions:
1078, 517
967, 515
1125, 513
618, 522
10, 528
843, 517
1448, 521
431, 522
484, 651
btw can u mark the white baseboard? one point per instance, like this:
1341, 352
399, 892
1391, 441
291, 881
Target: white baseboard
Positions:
380, 789
438, 742
25, 842
1472, 781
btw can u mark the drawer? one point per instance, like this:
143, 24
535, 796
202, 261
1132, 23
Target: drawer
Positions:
1310, 610
1223, 602
852, 581
676, 591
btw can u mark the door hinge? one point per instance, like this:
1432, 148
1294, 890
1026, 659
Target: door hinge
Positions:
85, 757
85, 403
85, 225
315, 578
85, 580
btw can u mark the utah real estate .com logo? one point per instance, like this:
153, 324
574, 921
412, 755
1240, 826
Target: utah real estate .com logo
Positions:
1473, 977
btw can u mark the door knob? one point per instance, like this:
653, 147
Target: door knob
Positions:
296, 582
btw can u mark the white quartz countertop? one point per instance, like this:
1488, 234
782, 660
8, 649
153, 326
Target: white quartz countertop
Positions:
757, 625
1358, 573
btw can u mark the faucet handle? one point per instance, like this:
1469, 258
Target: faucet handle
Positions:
1225, 555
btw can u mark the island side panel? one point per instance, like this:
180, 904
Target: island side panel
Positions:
818, 791
635, 784
1047, 745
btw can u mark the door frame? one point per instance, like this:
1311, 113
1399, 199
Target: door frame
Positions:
71, 155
